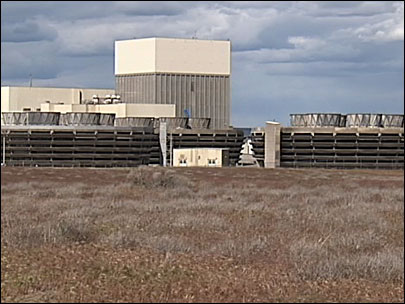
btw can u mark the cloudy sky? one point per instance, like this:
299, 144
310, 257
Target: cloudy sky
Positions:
287, 57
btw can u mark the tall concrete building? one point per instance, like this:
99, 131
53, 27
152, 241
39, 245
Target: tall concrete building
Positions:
190, 73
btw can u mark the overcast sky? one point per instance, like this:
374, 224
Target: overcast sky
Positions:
287, 57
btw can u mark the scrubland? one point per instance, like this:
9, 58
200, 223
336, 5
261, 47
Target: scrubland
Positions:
201, 235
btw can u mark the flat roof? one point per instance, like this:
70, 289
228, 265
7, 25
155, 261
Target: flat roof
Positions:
36, 87
171, 38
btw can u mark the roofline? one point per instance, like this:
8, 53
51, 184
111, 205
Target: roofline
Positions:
172, 38
36, 87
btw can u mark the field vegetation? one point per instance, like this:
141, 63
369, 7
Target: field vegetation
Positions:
201, 235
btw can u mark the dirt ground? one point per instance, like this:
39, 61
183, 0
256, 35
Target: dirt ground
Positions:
279, 178
201, 235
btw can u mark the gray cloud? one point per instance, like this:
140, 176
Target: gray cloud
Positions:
287, 56
148, 8
26, 58
27, 31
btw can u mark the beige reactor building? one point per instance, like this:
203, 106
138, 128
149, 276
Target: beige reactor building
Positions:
193, 74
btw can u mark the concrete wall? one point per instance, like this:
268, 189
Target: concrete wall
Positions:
135, 56
20, 98
120, 110
190, 73
5, 97
191, 56
66, 108
197, 157
150, 110
330, 147
205, 96
166, 55
272, 145
5, 104
63, 146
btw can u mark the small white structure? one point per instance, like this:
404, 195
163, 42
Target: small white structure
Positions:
201, 157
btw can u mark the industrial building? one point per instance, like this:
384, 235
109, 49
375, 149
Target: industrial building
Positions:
171, 105
330, 140
170, 94
17, 99
190, 73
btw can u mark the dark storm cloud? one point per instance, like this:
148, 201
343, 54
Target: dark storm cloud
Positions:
287, 56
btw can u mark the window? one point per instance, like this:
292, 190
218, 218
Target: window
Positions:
212, 162
183, 162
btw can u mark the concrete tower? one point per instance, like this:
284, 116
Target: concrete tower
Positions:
190, 73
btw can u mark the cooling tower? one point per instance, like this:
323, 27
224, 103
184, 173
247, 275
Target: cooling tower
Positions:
172, 122
199, 123
315, 120
30, 118
363, 120
392, 121
106, 119
134, 122
79, 119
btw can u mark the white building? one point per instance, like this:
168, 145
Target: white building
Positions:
18, 99
190, 73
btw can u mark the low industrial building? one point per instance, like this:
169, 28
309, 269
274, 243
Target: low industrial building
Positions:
18, 99
169, 94
318, 140
35, 139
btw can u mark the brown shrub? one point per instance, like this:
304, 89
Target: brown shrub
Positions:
318, 229
155, 177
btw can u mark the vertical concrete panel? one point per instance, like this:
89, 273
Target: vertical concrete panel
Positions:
159, 89
153, 100
202, 96
209, 98
125, 91
227, 101
144, 88
141, 88
197, 95
183, 95
164, 89
149, 90
212, 101
213, 113
224, 101
136, 87
272, 145
188, 95
146, 97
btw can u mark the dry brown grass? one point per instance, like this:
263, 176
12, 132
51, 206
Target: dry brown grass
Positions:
201, 235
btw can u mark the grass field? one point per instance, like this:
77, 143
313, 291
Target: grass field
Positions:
201, 235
